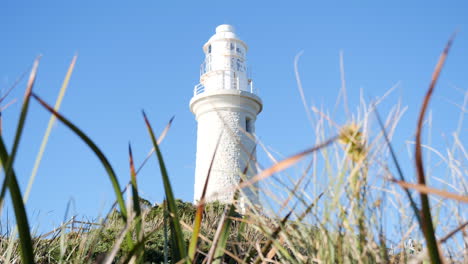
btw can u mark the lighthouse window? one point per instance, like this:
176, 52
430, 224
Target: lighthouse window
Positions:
209, 49
239, 65
248, 125
232, 46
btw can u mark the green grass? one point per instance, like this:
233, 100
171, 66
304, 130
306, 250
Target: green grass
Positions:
327, 204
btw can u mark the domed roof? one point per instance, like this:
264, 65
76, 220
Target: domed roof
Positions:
224, 31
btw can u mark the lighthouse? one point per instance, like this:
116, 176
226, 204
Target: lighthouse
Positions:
225, 104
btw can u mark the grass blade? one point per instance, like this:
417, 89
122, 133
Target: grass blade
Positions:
286, 163
102, 158
426, 218
160, 139
424, 189
309, 208
221, 236
135, 196
166, 243
5, 95
397, 165
135, 252
117, 243
453, 232
177, 236
266, 248
45, 139
27, 253
192, 249
19, 129
139, 246
136, 204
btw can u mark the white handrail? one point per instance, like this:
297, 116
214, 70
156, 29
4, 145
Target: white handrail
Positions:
235, 85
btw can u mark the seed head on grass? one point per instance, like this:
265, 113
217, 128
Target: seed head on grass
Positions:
354, 139
356, 151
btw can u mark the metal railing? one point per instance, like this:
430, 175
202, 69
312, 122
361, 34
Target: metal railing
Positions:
206, 66
200, 88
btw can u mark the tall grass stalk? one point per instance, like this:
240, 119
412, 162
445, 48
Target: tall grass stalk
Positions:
52, 119
179, 252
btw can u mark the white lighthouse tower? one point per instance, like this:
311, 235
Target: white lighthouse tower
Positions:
226, 106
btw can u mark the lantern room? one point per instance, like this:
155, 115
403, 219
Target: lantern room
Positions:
225, 64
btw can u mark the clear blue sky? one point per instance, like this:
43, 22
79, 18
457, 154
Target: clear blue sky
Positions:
137, 55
